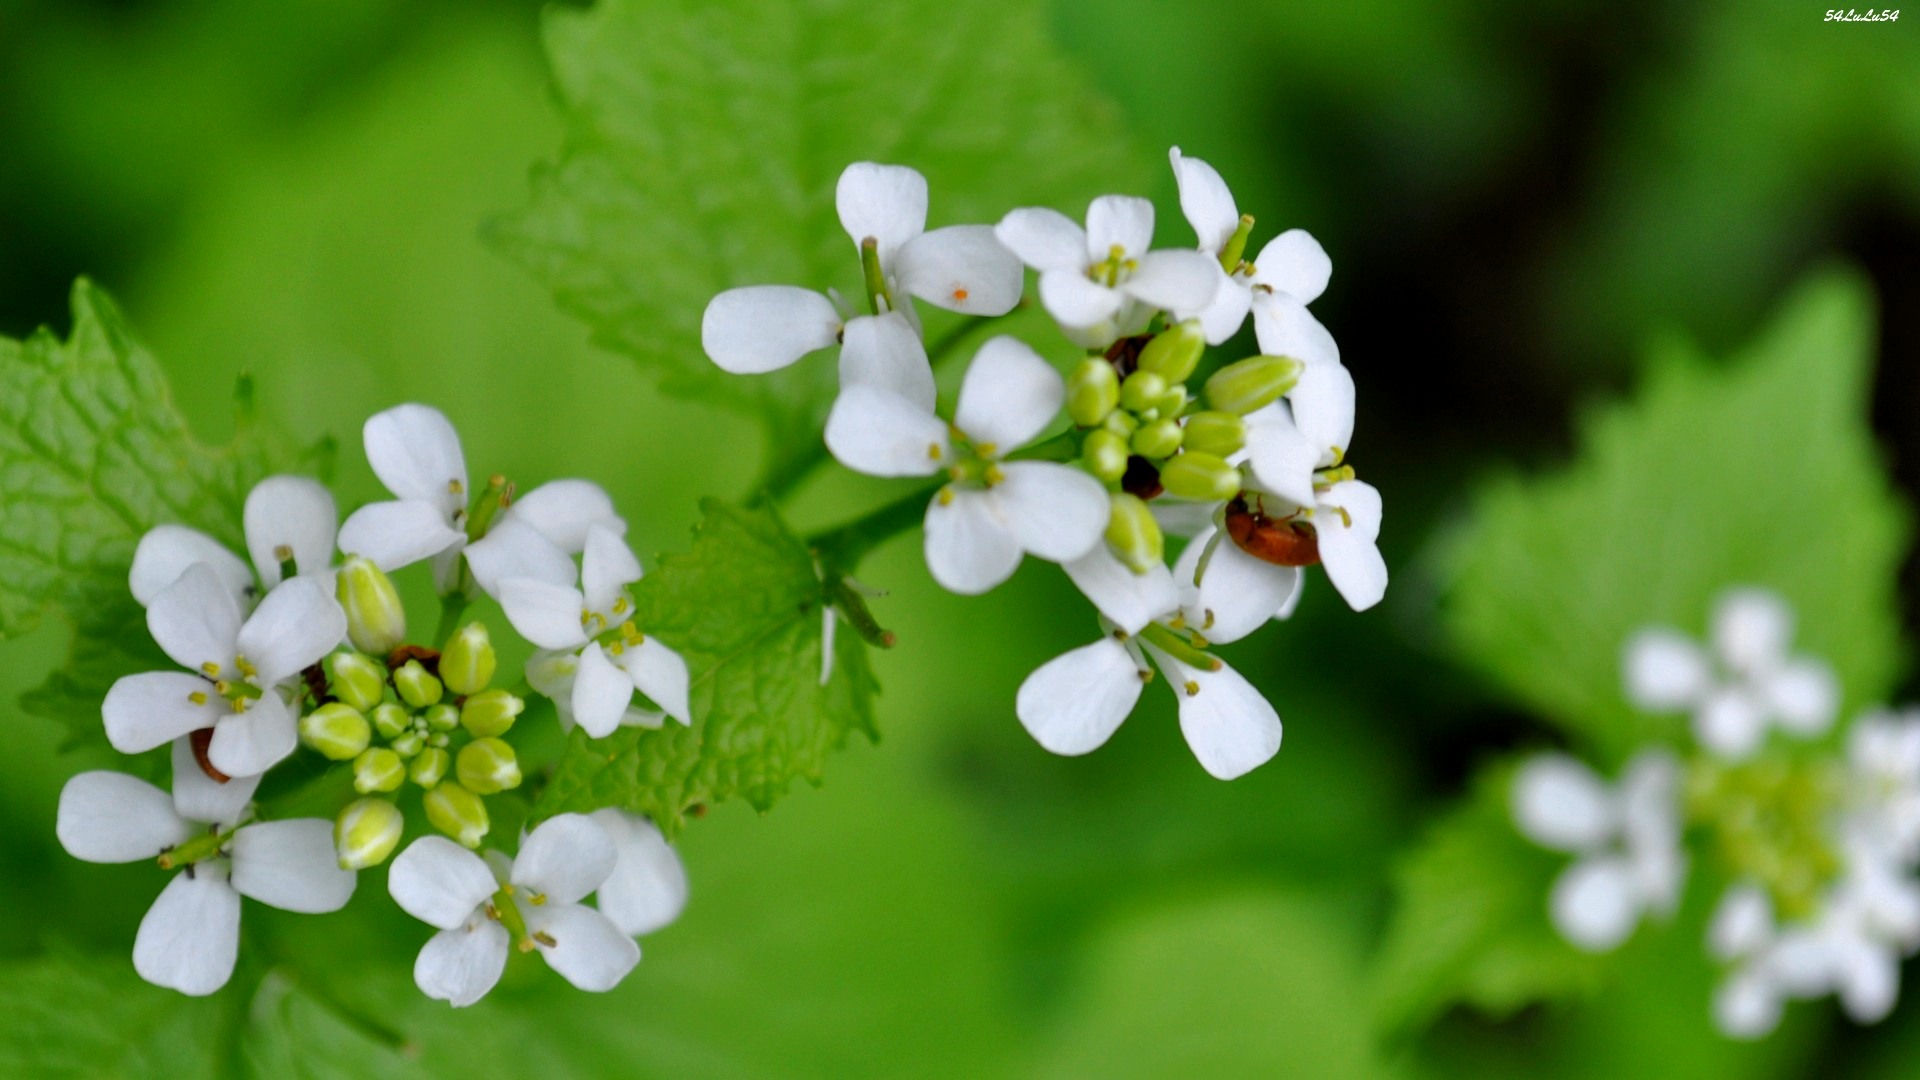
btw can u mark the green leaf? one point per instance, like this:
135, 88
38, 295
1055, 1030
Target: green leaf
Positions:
743, 607
69, 1016
705, 139
95, 455
1759, 471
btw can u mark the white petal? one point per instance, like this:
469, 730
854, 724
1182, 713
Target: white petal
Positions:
416, 453
291, 865
880, 433
1650, 796
199, 797
147, 710
1074, 703
1129, 600
1666, 671
1205, 200
1180, 518
1559, 802
1869, 979
1285, 327
551, 672
1322, 406
884, 351
1805, 696
1751, 629
195, 620
588, 950
1282, 458
1055, 511
1347, 542
1230, 726
1746, 1006
1078, 303
607, 567
563, 511
291, 513
660, 673
1180, 281
294, 626
762, 328
397, 534
1044, 239
1227, 313
648, 887
1294, 263
1594, 904
601, 692
167, 550
110, 817
1122, 221
1730, 724
547, 615
1009, 396
459, 965
1742, 923
961, 268
969, 550
1238, 593
439, 882
249, 743
190, 937
564, 859
515, 549
887, 203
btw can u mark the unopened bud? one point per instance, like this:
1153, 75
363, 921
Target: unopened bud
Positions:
1175, 352
1201, 477
378, 769
391, 720
1105, 455
443, 717
457, 812
430, 767
486, 766
1246, 385
366, 832
1120, 422
409, 743
356, 679
337, 730
1092, 390
1133, 534
490, 713
467, 661
1216, 433
1172, 402
417, 687
1141, 390
1158, 439
376, 621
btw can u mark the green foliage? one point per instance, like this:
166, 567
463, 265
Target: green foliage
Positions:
73, 1017
743, 607
1762, 471
95, 455
705, 139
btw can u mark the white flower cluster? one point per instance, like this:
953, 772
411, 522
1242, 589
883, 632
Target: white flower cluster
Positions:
289, 648
1820, 847
1252, 468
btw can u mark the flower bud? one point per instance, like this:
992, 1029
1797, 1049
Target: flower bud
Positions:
1105, 455
486, 766
443, 717
1120, 422
366, 832
1216, 433
490, 713
1174, 352
1133, 534
391, 720
417, 688
467, 661
1092, 390
376, 621
378, 769
337, 730
430, 767
1198, 476
1158, 439
409, 744
1246, 385
1141, 389
356, 679
1170, 403
457, 812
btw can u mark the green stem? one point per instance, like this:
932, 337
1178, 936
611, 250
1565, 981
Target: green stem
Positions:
452, 606
1173, 645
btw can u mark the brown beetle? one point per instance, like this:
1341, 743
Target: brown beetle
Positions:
1281, 541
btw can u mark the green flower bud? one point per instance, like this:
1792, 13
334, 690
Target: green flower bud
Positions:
366, 832
439, 740
490, 713
1158, 439
376, 621
417, 688
1216, 433
391, 720
1133, 534
1246, 385
443, 717
1105, 455
1174, 352
337, 730
457, 812
356, 679
1092, 390
1198, 476
409, 744
378, 769
1170, 403
430, 767
1141, 390
486, 766
1120, 422
467, 662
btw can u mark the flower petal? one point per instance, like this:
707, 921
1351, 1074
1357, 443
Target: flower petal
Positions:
397, 534
1077, 303
1044, 239
416, 453
648, 886
165, 552
961, 268
294, 626
1730, 724
156, 707
195, 621
1560, 803
291, 865
887, 203
1180, 281
1747, 1006
1227, 313
1205, 200
563, 511
249, 743
588, 950
1129, 600
1055, 511
660, 673
1073, 703
969, 549
1008, 397
884, 351
1322, 406
1282, 458
110, 817
199, 797
1294, 263
1285, 327
1751, 629
1594, 904
762, 328
1122, 221
1666, 671
1742, 922
1805, 696
461, 964
1237, 594
547, 615
1230, 726
439, 882
515, 549
601, 692
606, 568
880, 433
564, 859
294, 514
190, 937
1868, 978
1348, 547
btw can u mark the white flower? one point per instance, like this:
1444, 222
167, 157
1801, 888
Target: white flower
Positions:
1744, 684
238, 669
961, 268
448, 887
1289, 273
648, 886
190, 937
1627, 841
1128, 600
597, 656
995, 509
1883, 753
286, 519
1102, 283
1234, 593
416, 453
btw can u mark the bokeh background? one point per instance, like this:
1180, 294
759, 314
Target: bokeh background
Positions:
1517, 197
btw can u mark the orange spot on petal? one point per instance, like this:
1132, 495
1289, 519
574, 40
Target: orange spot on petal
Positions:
959, 294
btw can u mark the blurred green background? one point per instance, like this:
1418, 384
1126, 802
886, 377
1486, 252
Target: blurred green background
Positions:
1516, 198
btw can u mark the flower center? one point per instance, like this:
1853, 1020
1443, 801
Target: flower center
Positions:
1113, 269
1771, 820
971, 465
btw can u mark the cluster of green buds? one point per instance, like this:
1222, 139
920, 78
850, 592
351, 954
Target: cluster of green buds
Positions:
1145, 434
1771, 821
402, 714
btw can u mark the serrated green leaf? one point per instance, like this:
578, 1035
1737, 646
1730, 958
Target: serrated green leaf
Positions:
705, 138
1760, 471
94, 455
743, 607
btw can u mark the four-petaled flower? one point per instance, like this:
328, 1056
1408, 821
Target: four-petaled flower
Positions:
287, 519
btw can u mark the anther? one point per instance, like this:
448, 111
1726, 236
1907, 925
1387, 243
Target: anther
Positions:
1192, 688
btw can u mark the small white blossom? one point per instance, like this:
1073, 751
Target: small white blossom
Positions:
648, 887
1883, 754
286, 518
